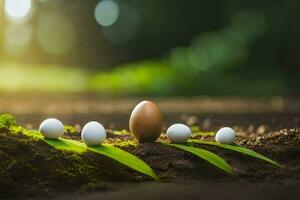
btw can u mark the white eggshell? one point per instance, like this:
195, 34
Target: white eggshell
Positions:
93, 133
225, 135
178, 133
52, 128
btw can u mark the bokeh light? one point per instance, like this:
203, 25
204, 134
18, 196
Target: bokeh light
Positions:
102, 36
222, 49
17, 38
106, 12
126, 28
17, 10
55, 33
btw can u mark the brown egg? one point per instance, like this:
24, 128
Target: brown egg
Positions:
146, 122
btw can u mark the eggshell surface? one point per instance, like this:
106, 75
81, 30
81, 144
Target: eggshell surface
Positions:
178, 133
52, 128
225, 135
146, 122
93, 133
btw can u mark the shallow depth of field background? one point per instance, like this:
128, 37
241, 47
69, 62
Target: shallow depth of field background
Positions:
158, 47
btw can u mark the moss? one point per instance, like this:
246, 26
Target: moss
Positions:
70, 129
196, 131
195, 128
7, 120
201, 133
119, 142
122, 132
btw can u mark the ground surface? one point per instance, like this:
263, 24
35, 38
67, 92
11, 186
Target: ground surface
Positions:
32, 169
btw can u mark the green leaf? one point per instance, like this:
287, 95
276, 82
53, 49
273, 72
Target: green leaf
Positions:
110, 151
66, 145
206, 155
60, 144
239, 149
125, 158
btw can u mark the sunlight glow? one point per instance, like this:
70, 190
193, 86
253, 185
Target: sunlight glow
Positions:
106, 12
16, 9
55, 33
16, 38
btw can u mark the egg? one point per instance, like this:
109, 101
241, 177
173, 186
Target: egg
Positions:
179, 133
146, 122
225, 135
52, 128
93, 133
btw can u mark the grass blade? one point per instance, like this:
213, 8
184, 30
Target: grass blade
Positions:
239, 149
66, 145
125, 158
206, 155
60, 144
110, 151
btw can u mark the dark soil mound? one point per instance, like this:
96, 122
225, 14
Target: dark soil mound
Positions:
30, 167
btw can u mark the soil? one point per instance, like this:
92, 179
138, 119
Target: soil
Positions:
31, 169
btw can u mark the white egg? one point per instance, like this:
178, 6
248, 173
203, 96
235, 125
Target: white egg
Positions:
179, 133
93, 133
52, 128
225, 135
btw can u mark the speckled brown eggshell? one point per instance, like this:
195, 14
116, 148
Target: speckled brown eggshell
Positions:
146, 122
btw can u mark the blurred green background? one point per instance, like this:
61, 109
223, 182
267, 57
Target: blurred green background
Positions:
157, 47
